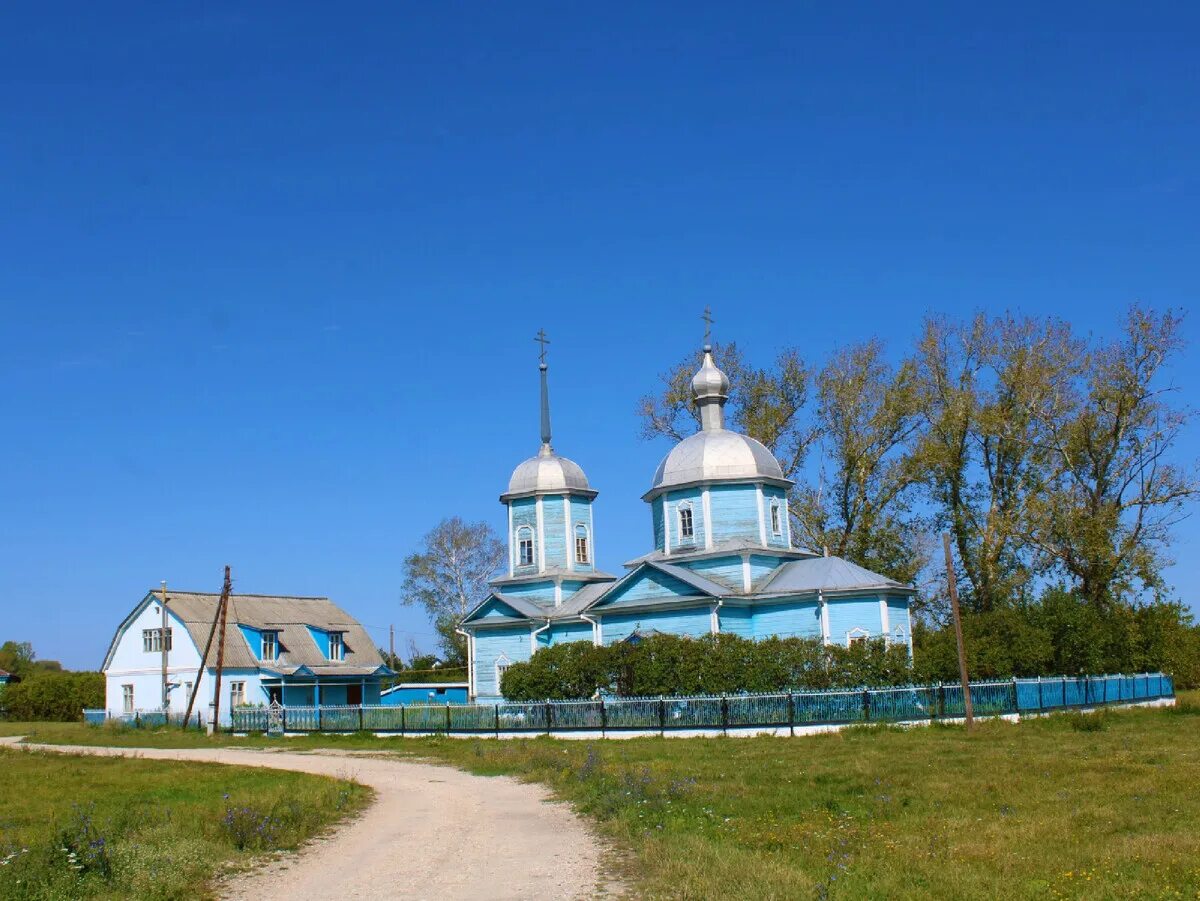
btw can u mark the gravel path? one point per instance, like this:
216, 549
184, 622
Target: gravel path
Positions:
434, 832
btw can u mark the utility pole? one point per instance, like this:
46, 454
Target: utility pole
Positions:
391, 645
162, 640
958, 632
223, 606
204, 657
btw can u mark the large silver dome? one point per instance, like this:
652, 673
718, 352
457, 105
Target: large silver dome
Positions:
716, 455
545, 474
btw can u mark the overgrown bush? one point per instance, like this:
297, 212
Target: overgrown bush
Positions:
713, 664
52, 696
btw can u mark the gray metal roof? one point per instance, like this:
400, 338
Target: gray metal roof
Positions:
579, 601
715, 455
708, 586
547, 473
826, 574
719, 549
287, 615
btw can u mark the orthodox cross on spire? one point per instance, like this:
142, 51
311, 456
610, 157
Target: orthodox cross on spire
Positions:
543, 341
708, 321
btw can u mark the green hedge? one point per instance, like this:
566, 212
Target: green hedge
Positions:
52, 696
714, 664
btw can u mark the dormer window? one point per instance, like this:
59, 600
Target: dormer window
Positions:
525, 546
337, 647
776, 519
582, 552
686, 527
270, 646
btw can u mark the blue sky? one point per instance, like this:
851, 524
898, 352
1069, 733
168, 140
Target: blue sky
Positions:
271, 272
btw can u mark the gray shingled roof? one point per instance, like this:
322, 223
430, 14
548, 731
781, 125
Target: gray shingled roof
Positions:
287, 615
826, 574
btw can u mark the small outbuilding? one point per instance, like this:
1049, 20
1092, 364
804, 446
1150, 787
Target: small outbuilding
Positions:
405, 693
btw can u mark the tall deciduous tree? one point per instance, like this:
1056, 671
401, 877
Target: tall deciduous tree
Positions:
449, 576
1106, 513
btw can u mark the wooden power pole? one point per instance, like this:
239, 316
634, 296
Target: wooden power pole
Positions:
958, 633
223, 607
391, 646
162, 640
212, 632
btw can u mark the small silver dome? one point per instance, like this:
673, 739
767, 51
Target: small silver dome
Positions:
716, 455
709, 382
545, 474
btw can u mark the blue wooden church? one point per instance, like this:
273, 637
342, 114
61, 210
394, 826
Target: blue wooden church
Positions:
723, 558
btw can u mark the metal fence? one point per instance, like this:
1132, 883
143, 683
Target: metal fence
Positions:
139, 719
784, 710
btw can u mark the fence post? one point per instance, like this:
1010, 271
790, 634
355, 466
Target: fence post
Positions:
941, 701
401, 720
496, 715
792, 714
360, 717
447, 717
724, 715
662, 715
549, 716
319, 718
866, 704
1016, 696
1041, 706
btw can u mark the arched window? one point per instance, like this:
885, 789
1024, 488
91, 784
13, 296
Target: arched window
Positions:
776, 518
857, 635
502, 663
687, 528
524, 546
582, 551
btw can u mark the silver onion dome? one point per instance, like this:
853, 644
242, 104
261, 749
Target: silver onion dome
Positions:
547, 473
709, 383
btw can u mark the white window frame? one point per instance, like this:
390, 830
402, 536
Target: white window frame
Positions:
857, 634
187, 690
337, 646
680, 509
776, 519
127, 698
270, 641
585, 537
525, 534
502, 664
152, 640
237, 694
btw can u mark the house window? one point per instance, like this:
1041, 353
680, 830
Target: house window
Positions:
336, 646
776, 519
127, 698
152, 640
270, 645
525, 546
237, 694
581, 544
686, 529
187, 691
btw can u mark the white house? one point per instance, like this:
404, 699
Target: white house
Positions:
299, 651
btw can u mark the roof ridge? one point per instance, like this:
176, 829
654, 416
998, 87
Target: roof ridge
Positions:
242, 594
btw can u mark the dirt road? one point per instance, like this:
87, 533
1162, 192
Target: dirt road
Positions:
433, 833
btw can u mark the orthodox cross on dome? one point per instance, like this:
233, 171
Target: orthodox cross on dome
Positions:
708, 321
541, 339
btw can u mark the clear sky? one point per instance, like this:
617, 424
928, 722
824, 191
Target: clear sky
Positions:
270, 273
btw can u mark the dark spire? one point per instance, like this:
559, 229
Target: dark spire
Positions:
543, 340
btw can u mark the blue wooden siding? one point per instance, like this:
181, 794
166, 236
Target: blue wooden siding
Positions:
524, 513
762, 566
320, 636
490, 644
674, 499
656, 512
847, 614
648, 584
562, 633
540, 592
554, 525
725, 570
429, 693
771, 493
734, 512
737, 621
693, 622
496, 610
898, 616
253, 638
581, 512
793, 619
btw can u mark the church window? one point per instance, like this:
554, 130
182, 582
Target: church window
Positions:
270, 645
857, 636
776, 519
237, 694
581, 544
337, 646
686, 528
525, 546
502, 664
127, 698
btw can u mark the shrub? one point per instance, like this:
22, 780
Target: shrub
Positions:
52, 696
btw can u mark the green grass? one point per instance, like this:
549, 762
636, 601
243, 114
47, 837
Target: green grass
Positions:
95, 827
1070, 806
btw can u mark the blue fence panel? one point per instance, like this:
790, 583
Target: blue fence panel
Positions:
383, 718
908, 703
829, 707
472, 717
531, 717
633, 713
758, 710
578, 715
425, 718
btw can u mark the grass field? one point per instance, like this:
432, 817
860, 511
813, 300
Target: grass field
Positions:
91, 827
1071, 806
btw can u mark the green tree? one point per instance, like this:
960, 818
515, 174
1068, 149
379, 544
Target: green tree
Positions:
449, 576
17, 658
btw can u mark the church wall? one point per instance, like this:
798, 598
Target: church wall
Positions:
656, 512
554, 527
726, 570
761, 567
691, 496
736, 621
898, 617
734, 512
649, 584
771, 493
581, 512
490, 644
524, 513
562, 633
848, 614
794, 619
692, 622
538, 592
